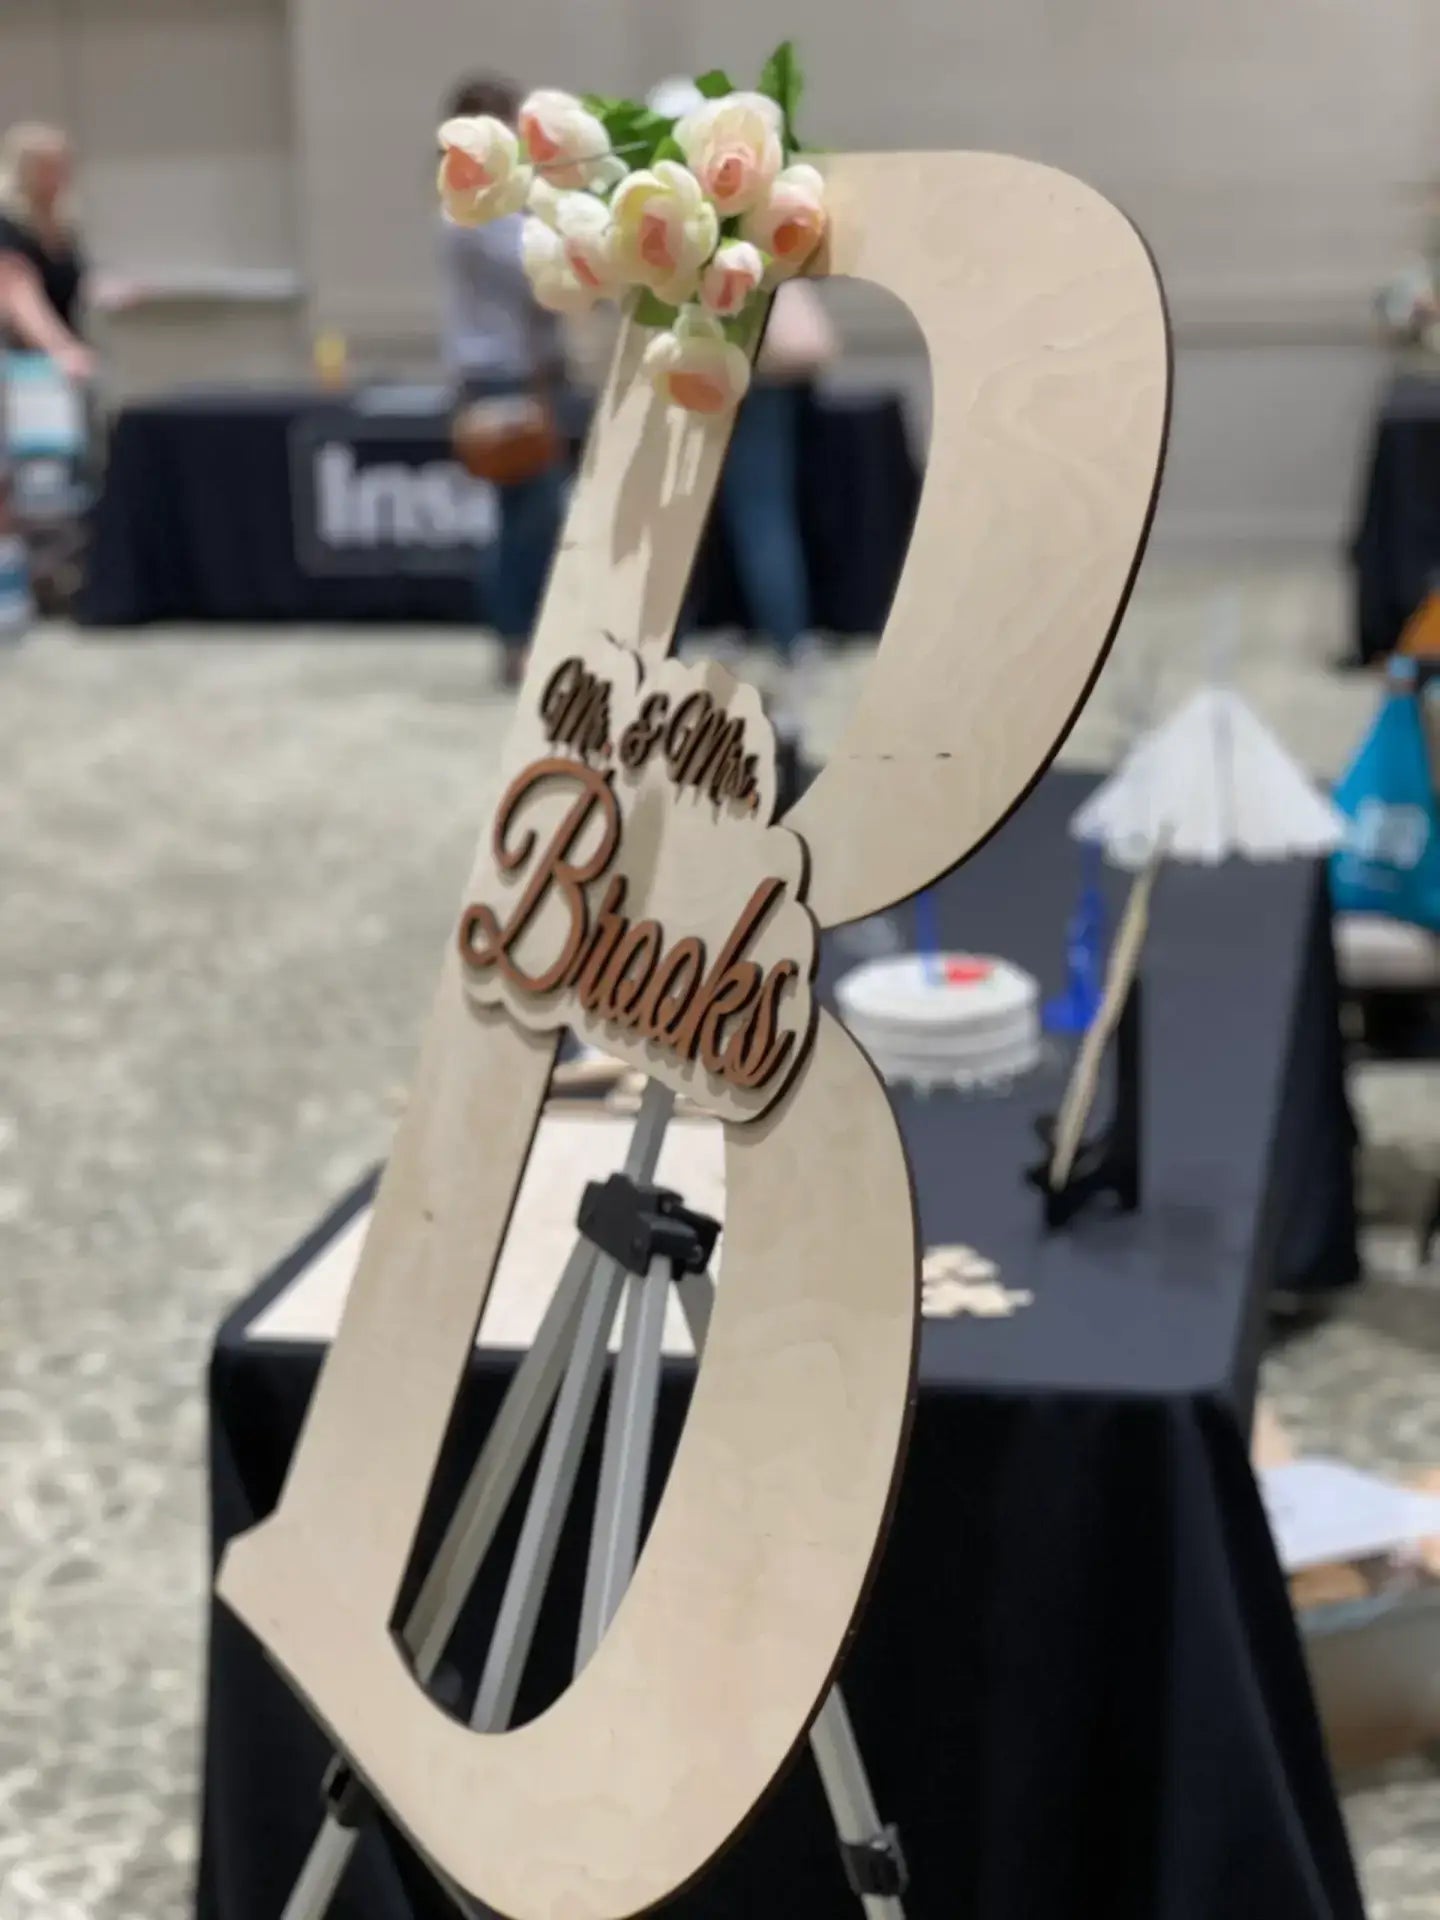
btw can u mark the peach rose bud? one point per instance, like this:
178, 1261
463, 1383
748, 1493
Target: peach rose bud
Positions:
555, 284
665, 230
791, 223
567, 143
732, 146
481, 175
695, 367
731, 277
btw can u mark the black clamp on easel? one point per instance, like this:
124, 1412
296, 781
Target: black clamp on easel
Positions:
1110, 1161
636, 1223
875, 1867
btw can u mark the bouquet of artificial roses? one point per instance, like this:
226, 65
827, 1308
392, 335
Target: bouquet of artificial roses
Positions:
693, 220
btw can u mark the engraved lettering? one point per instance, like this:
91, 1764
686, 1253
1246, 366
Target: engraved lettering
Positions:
754, 1054
587, 974
670, 988
637, 742
483, 941
629, 972
575, 708
563, 925
728, 986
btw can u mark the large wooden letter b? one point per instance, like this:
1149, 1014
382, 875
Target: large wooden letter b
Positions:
1042, 315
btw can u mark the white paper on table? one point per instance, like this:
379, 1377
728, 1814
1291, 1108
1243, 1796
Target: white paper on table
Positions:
569, 1149
1322, 1511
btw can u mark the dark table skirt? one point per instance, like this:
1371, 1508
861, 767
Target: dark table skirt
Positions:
212, 510
1077, 1685
1396, 546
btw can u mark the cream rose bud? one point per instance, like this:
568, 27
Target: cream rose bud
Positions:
542, 253
607, 173
481, 173
731, 277
733, 148
791, 223
587, 234
544, 200
694, 366
665, 230
563, 137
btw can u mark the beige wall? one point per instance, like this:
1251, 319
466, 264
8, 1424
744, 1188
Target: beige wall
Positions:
182, 111
1271, 150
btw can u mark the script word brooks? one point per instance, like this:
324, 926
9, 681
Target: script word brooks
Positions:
631, 889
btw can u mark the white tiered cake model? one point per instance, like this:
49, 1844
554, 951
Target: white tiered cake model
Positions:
951, 1020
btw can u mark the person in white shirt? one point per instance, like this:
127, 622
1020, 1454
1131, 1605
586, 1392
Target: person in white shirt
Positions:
498, 341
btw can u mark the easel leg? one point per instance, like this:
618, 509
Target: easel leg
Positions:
492, 1482
564, 1444
452, 1573
580, 1317
549, 1502
625, 1466
497, 1470
870, 1851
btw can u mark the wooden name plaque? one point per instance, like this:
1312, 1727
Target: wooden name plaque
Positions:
631, 889
631, 883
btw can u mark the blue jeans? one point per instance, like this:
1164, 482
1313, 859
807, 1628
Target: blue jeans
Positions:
759, 507
514, 568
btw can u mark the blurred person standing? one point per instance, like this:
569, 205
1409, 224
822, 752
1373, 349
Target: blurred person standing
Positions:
760, 497
499, 342
42, 287
759, 483
42, 267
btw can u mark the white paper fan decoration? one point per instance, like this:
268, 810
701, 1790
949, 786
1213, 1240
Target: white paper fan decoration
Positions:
1211, 782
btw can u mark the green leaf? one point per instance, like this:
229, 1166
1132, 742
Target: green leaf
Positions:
620, 119
649, 132
715, 84
651, 310
635, 130
669, 149
782, 80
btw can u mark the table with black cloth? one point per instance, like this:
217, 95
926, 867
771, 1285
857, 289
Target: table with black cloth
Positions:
1077, 1685
1396, 546
212, 510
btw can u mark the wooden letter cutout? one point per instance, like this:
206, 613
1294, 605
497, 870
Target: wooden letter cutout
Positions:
1048, 347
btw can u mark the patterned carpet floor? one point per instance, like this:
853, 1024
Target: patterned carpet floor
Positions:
227, 869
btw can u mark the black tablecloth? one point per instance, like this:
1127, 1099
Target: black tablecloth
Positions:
240, 506
1396, 548
1077, 1685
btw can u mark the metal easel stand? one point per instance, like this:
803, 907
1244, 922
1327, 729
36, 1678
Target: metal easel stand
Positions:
635, 1239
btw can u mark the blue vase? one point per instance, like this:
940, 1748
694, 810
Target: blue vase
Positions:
1073, 1011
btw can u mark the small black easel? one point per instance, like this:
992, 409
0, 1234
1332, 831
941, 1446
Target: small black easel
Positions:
1107, 1162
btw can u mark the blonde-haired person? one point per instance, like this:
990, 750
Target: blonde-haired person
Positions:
42, 267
